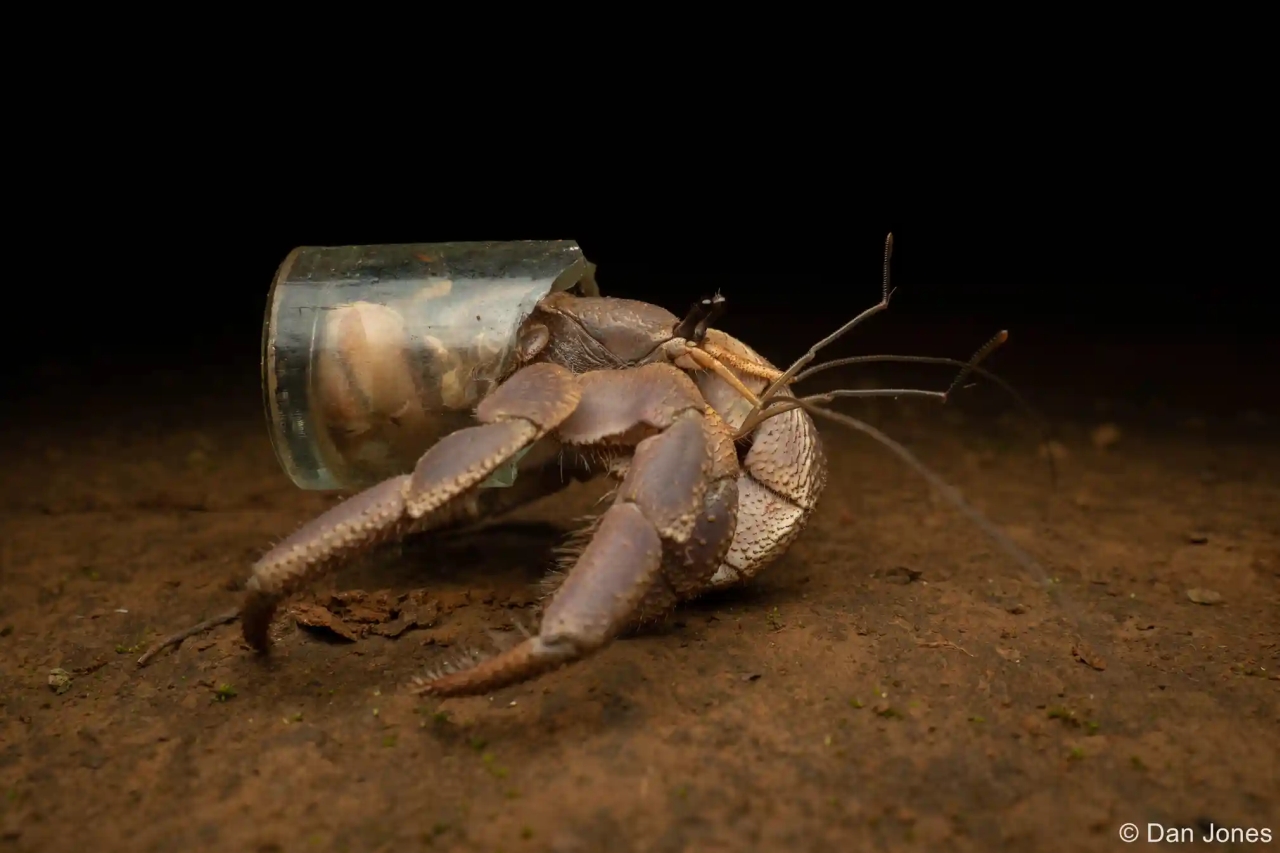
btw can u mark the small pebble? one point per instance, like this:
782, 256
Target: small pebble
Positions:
59, 681
901, 575
1204, 596
1105, 436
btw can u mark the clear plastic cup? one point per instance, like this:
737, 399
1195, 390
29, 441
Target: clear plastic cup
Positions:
370, 354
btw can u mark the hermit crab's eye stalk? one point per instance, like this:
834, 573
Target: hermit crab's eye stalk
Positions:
714, 311
698, 310
702, 314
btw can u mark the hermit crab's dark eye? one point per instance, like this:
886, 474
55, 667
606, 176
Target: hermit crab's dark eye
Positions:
701, 315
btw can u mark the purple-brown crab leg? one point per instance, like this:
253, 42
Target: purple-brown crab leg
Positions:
669, 526
522, 410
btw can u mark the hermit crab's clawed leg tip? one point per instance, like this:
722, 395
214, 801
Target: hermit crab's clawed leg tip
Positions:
530, 658
344, 530
255, 619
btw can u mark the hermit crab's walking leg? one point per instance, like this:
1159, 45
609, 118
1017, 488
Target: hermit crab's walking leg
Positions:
668, 528
522, 410
783, 474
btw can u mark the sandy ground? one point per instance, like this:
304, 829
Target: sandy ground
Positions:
893, 682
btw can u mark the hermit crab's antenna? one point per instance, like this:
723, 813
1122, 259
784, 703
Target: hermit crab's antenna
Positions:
777, 405
781, 381
949, 492
769, 405
1046, 433
998, 536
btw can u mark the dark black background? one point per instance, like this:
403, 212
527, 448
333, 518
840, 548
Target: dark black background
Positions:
176, 277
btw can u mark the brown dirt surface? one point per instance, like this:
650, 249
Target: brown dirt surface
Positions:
894, 682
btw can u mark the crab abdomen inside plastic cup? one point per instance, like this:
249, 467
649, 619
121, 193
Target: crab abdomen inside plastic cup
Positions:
370, 354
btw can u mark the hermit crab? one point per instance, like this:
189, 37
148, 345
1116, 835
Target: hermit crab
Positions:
717, 466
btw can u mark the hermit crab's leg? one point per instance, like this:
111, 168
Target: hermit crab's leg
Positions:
689, 564
522, 410
783, 473
671, 521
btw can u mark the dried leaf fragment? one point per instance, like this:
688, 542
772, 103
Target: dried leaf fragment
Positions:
396, 627
319, 619
1081, 651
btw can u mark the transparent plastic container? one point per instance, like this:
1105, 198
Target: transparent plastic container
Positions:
370, 354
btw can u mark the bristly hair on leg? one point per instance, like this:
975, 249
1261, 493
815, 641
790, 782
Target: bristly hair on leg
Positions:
507, 639
469, 658
568, 551
465, 660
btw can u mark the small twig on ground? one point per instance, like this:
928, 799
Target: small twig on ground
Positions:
932, 644
175, 639
943, 644
91, 668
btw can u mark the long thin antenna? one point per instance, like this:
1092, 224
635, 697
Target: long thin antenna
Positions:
952, 495
885, 294
1042, 423
776, 405
981, 355
948, 491
1006, 544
